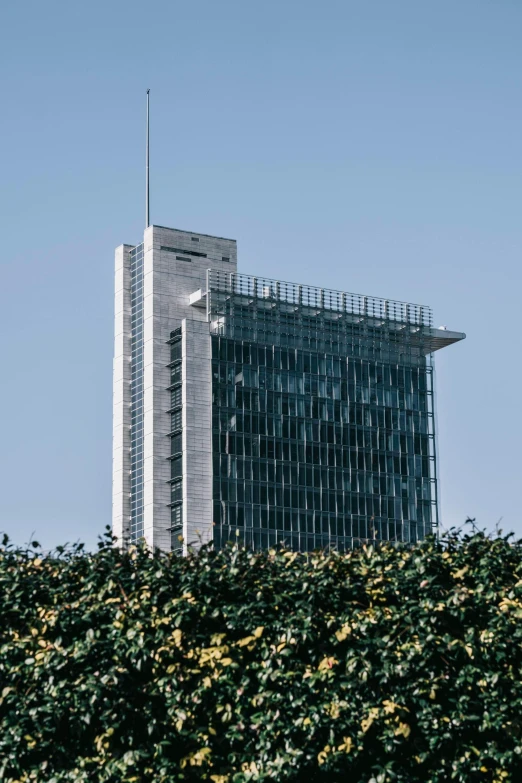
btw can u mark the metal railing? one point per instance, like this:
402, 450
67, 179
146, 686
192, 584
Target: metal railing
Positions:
317, 298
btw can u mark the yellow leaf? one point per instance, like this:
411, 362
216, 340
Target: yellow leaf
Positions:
334, 711
210, 654
403, 729
346, 745
322, 756
245, 641
327, 663
461, 572
343, 633
390, 707
367, 722
217, 638
196, 759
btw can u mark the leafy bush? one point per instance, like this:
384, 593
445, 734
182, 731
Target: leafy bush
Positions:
386, 664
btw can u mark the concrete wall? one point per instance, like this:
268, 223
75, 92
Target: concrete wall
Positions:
197, 433
167, 284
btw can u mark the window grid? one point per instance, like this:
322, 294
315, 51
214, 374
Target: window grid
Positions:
176, 455
323, 429
136, 273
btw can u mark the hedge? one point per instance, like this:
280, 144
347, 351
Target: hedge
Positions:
385, 664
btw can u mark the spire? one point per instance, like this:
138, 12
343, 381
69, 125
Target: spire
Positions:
147, 202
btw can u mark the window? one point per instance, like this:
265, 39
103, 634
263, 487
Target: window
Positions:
176, 492
184, 251
175, 397
176, 445
176, 529
175, 374
136, 272
176, 517
176, 468
175, 421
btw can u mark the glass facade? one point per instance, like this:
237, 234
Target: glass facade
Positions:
322, 416
176, 445
136, 270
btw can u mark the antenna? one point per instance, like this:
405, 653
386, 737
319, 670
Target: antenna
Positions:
147, 201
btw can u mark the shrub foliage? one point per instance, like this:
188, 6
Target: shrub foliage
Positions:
385, 664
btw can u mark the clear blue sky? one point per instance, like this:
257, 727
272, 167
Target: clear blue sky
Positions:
368, 146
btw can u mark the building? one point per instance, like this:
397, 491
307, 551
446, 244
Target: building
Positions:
261, 411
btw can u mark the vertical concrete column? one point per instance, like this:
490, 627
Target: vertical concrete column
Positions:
121, 395
197, 433
148, 388
161, 382
156, 398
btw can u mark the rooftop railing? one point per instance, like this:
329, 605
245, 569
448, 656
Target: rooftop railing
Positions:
317, 298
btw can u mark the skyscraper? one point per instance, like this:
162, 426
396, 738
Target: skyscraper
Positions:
262, 411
